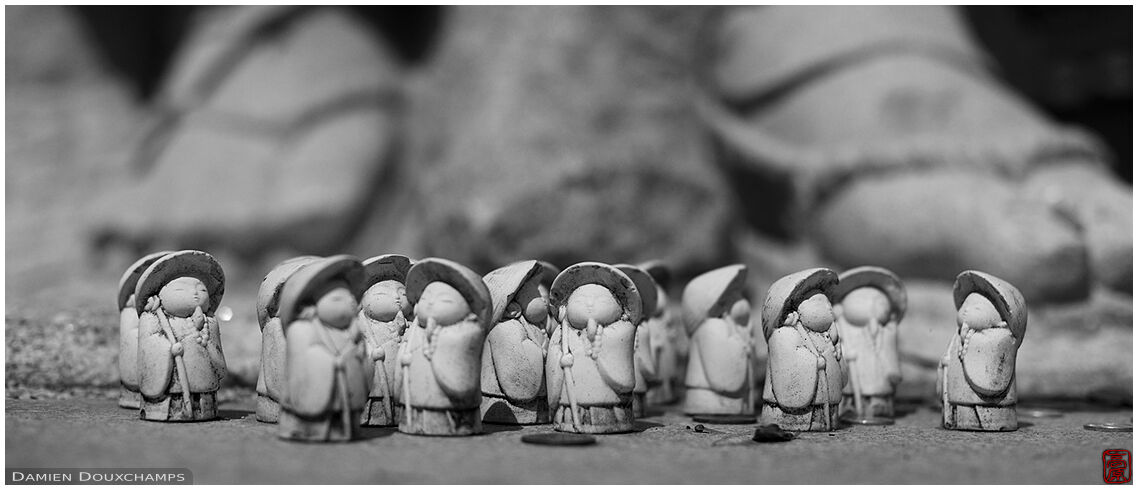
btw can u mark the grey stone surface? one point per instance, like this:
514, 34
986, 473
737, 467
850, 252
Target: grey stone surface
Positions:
238, 449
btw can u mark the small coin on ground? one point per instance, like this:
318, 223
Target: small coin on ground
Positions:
772, 433
559, 439
867, 420
1110, 426
1041, 413
725, 419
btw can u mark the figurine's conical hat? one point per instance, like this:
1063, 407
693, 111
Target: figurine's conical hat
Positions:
183, 263
877, 277
387, 267
644, 285
129, 279
1007, 299
611, 278
707, 290
299, 288
504, 282
659, 271
785, 294
269, 294
468, 284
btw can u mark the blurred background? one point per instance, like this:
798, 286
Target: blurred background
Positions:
492, 134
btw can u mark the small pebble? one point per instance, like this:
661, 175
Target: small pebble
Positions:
772, 433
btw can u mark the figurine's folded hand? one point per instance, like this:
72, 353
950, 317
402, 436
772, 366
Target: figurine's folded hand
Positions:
176, 348
567, 360
378, 355
820, 362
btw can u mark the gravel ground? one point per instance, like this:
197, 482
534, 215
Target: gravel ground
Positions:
95, 433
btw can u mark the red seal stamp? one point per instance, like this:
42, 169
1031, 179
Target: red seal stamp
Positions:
1116, 466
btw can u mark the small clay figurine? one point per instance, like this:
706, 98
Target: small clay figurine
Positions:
270, 381
513, 359
180, 361
549, 272
717, 316
644, 356
590, 372
384, 311
128, 332
441, 355
804, 371
977, 374
870, 302
327, 371
664, 339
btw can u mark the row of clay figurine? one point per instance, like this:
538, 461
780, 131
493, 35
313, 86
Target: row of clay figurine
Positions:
435, 349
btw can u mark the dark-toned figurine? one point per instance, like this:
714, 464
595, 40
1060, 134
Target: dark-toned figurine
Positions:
327, 372
804, 371
645, 359
513, 359
180, 360
384, 311
441, 355
129, 396
589, 370
664, 339
977, 374
869, 304
717, 316
271, 381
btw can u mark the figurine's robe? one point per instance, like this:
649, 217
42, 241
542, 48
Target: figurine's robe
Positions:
606, 380
870, 361
718, 359
383, 336
271, 382
986, 376
128, 348
205, 364
314, 388
793, 378
450, 378
513, 362
646, 347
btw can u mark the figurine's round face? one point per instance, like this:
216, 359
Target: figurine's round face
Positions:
533, 305
383, 300
815, 313
661, 302
978, 312
592, 301
336, 307
442, 302
183, 295
864, 304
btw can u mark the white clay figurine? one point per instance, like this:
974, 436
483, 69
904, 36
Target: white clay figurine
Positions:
383, 317
270, 380
129, 397
644, 354
513, 359
869, 304
717, 317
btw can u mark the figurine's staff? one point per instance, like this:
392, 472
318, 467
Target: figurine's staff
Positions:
856, 384
566, 367
814, 349
382, 370
179, 363
405, 361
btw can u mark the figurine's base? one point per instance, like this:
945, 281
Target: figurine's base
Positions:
811, 418
980, 418
129, 398
327, 428
268, 410
702, 401
871, 406
499, 410
172, 408
639, 404
428, 422
612, 419
377, 413
661, 394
